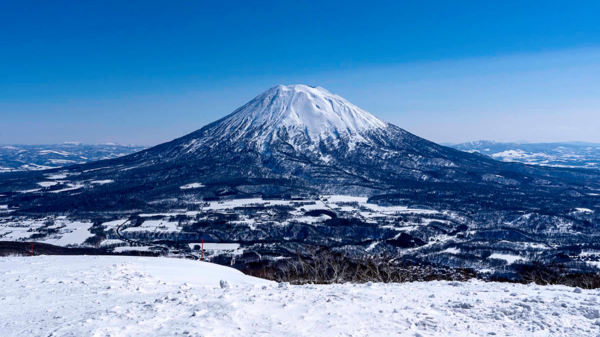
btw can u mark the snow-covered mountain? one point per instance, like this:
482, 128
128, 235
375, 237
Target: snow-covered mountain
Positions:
293, 124
566, 154
290, 140
14, 158
299, 115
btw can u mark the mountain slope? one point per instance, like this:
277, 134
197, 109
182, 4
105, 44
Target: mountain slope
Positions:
299, 114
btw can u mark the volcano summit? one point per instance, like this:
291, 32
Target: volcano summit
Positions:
299, 115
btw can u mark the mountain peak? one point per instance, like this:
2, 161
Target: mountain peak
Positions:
300, 88
305, 114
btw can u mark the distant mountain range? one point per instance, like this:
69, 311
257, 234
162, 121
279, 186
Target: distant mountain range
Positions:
567, 154
15, 158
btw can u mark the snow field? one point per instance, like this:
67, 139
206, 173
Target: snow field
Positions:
48, 183
102, 182
56, 176
507, 257
69, 232
216, 246
71, 187
128, 296
132, 249
191, 186
74, 234
155, 226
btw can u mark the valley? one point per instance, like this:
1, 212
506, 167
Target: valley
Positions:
243, 232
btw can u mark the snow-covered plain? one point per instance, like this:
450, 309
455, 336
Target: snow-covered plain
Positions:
129, 296
68, 232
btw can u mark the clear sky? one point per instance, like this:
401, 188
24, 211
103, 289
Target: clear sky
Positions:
145, 72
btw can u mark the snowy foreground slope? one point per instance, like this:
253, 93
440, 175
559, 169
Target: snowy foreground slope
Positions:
128, 296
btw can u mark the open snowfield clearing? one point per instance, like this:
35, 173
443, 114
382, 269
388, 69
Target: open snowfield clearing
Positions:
228, 204
129, 296
132, 249
71, 187
507, 257
69, 232
48, 183
346, 198
56, 176
216, 246
21, 228
154, 226
74, 234
102, 182
191, 186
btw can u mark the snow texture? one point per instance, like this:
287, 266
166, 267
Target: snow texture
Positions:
102, 182
75, 233
67, 232
507, 257
128, 296
191, 186
305, 114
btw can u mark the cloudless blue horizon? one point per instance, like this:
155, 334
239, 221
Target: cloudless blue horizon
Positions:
146, 72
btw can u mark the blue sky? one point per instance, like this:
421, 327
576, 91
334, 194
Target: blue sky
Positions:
145, 72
